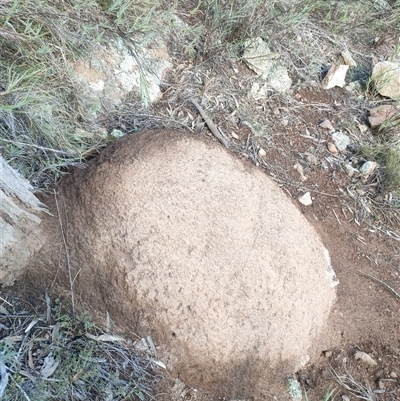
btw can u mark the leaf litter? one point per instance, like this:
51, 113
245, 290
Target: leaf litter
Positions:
44, 358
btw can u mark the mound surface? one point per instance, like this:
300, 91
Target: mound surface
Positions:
199, 249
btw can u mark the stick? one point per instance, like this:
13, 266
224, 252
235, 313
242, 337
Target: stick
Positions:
210, 124
71, 282
381, 282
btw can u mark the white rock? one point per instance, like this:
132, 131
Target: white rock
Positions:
382, 5
114, 71
335, 76
341, 140
353, 86
116, 133
386, 77
20, 218
305, 199
262, 153
265, 63
299, 168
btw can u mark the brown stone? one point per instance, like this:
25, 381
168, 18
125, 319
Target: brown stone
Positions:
381, 114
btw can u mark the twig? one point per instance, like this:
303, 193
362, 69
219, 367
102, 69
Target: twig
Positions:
210, 124
6, 301
48, 309
357, 389
387, 286
34, 146
300, 187
337, 218
71, 282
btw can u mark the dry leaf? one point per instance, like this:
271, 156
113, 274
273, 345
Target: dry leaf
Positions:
327, 125
299, 168
332, 148
104, 337
160, 364
28, 375
13, 339
366, 358
312, 159
31, 324
3, 310
49, 366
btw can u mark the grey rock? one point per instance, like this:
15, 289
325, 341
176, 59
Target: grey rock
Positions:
368, 168
266, 64
341, 140
386, 77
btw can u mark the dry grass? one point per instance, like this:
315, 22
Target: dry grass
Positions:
44, 356
362, 391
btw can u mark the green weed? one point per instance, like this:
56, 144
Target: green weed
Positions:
387, 154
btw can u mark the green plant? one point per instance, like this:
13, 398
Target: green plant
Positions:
45, 122
328, 396
387, 154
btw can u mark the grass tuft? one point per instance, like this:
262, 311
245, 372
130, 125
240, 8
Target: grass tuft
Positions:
387, 155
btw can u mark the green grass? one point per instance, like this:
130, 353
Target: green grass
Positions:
330, 395
46, 124
387, 155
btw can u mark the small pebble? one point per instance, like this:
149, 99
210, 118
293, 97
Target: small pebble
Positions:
327, 125
332, 148
328, 354
262, 152
345, 397
305, 199
393, 375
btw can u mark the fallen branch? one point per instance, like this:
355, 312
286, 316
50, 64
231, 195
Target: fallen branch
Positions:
210, 124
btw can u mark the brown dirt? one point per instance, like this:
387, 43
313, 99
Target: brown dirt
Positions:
365, 316
179, 239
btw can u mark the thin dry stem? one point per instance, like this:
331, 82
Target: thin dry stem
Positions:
71, 281
387, 286
210, 124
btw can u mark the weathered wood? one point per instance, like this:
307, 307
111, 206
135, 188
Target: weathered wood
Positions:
19, 221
